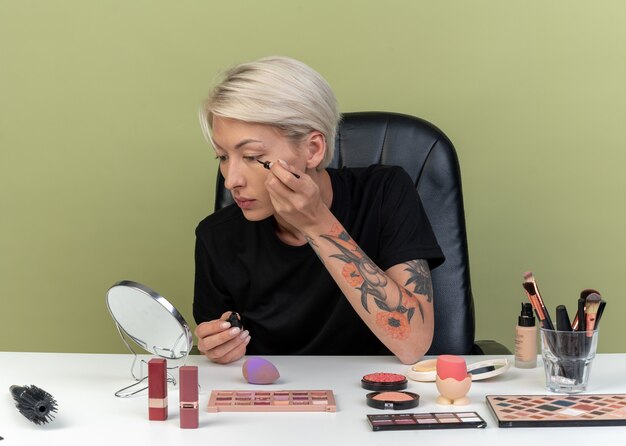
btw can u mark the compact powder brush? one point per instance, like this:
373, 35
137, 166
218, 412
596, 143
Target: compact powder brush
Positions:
384, 381
393, 400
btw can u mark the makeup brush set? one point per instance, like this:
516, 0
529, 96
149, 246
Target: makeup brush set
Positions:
569, 346
589, 310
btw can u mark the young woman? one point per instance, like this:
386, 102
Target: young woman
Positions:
315, 260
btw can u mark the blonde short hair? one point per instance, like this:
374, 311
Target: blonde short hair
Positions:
278, 91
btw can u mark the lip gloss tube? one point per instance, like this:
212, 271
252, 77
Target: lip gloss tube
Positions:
157, 389
188, 378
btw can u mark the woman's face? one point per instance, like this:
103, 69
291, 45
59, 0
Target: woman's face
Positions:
239, 146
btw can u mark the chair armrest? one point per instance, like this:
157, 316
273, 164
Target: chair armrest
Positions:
489, 347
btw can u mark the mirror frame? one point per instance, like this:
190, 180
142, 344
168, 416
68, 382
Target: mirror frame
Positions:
166, 306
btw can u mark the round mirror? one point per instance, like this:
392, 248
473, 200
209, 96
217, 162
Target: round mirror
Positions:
149, 320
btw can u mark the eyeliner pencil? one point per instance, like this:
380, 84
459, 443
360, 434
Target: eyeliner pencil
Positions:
268, 165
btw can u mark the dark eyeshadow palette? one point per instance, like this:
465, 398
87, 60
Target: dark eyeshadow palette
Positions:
426, 420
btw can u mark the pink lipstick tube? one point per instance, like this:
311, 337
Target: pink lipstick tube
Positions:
157, 389
188, 378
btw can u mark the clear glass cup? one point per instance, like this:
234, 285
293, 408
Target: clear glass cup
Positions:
567, 358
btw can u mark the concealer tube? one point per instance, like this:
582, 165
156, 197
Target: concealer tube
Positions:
526, 339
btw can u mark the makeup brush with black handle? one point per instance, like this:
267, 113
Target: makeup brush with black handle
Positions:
34, 403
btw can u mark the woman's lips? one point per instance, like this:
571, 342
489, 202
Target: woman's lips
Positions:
244, 203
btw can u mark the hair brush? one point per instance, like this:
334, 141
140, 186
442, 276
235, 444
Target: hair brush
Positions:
34, 403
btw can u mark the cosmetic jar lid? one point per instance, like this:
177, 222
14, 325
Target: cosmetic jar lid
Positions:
384, 381
425, 371
392, 400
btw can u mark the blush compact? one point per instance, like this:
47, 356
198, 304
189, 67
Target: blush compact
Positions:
393, 400
384, 381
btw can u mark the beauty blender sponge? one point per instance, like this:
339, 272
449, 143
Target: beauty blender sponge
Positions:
450, 366
259, 371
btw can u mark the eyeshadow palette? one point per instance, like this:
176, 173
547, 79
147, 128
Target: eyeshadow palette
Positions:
434, 420
272, 401
558, 410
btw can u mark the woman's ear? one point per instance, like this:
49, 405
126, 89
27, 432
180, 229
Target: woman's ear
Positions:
315, 144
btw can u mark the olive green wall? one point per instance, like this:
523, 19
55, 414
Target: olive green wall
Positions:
104, 173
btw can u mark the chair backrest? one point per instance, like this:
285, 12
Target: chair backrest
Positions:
424, 151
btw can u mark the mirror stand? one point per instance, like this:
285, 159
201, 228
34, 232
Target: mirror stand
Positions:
146, 318
139, 364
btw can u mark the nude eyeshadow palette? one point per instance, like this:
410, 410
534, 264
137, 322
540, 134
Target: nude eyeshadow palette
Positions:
558, 410
426, 420
272, 401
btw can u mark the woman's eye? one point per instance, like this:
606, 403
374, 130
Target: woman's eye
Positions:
220, 157
251, 157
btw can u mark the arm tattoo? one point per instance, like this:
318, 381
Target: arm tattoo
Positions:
420, 278
361, 273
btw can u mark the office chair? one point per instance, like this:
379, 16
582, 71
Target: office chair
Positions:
424, 151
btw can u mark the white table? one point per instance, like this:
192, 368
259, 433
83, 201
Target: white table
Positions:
89, 413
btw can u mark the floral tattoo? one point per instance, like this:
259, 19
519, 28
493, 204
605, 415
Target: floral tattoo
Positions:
420, 278
361, 273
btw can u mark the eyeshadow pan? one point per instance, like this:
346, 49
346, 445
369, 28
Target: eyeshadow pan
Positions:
268, 401
584, 407
564, 403
392, 396
448, 420
472, 419
427, 420
382, 422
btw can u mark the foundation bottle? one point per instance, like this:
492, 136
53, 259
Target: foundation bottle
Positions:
526, 339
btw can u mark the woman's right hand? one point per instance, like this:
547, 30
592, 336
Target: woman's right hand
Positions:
220, 342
